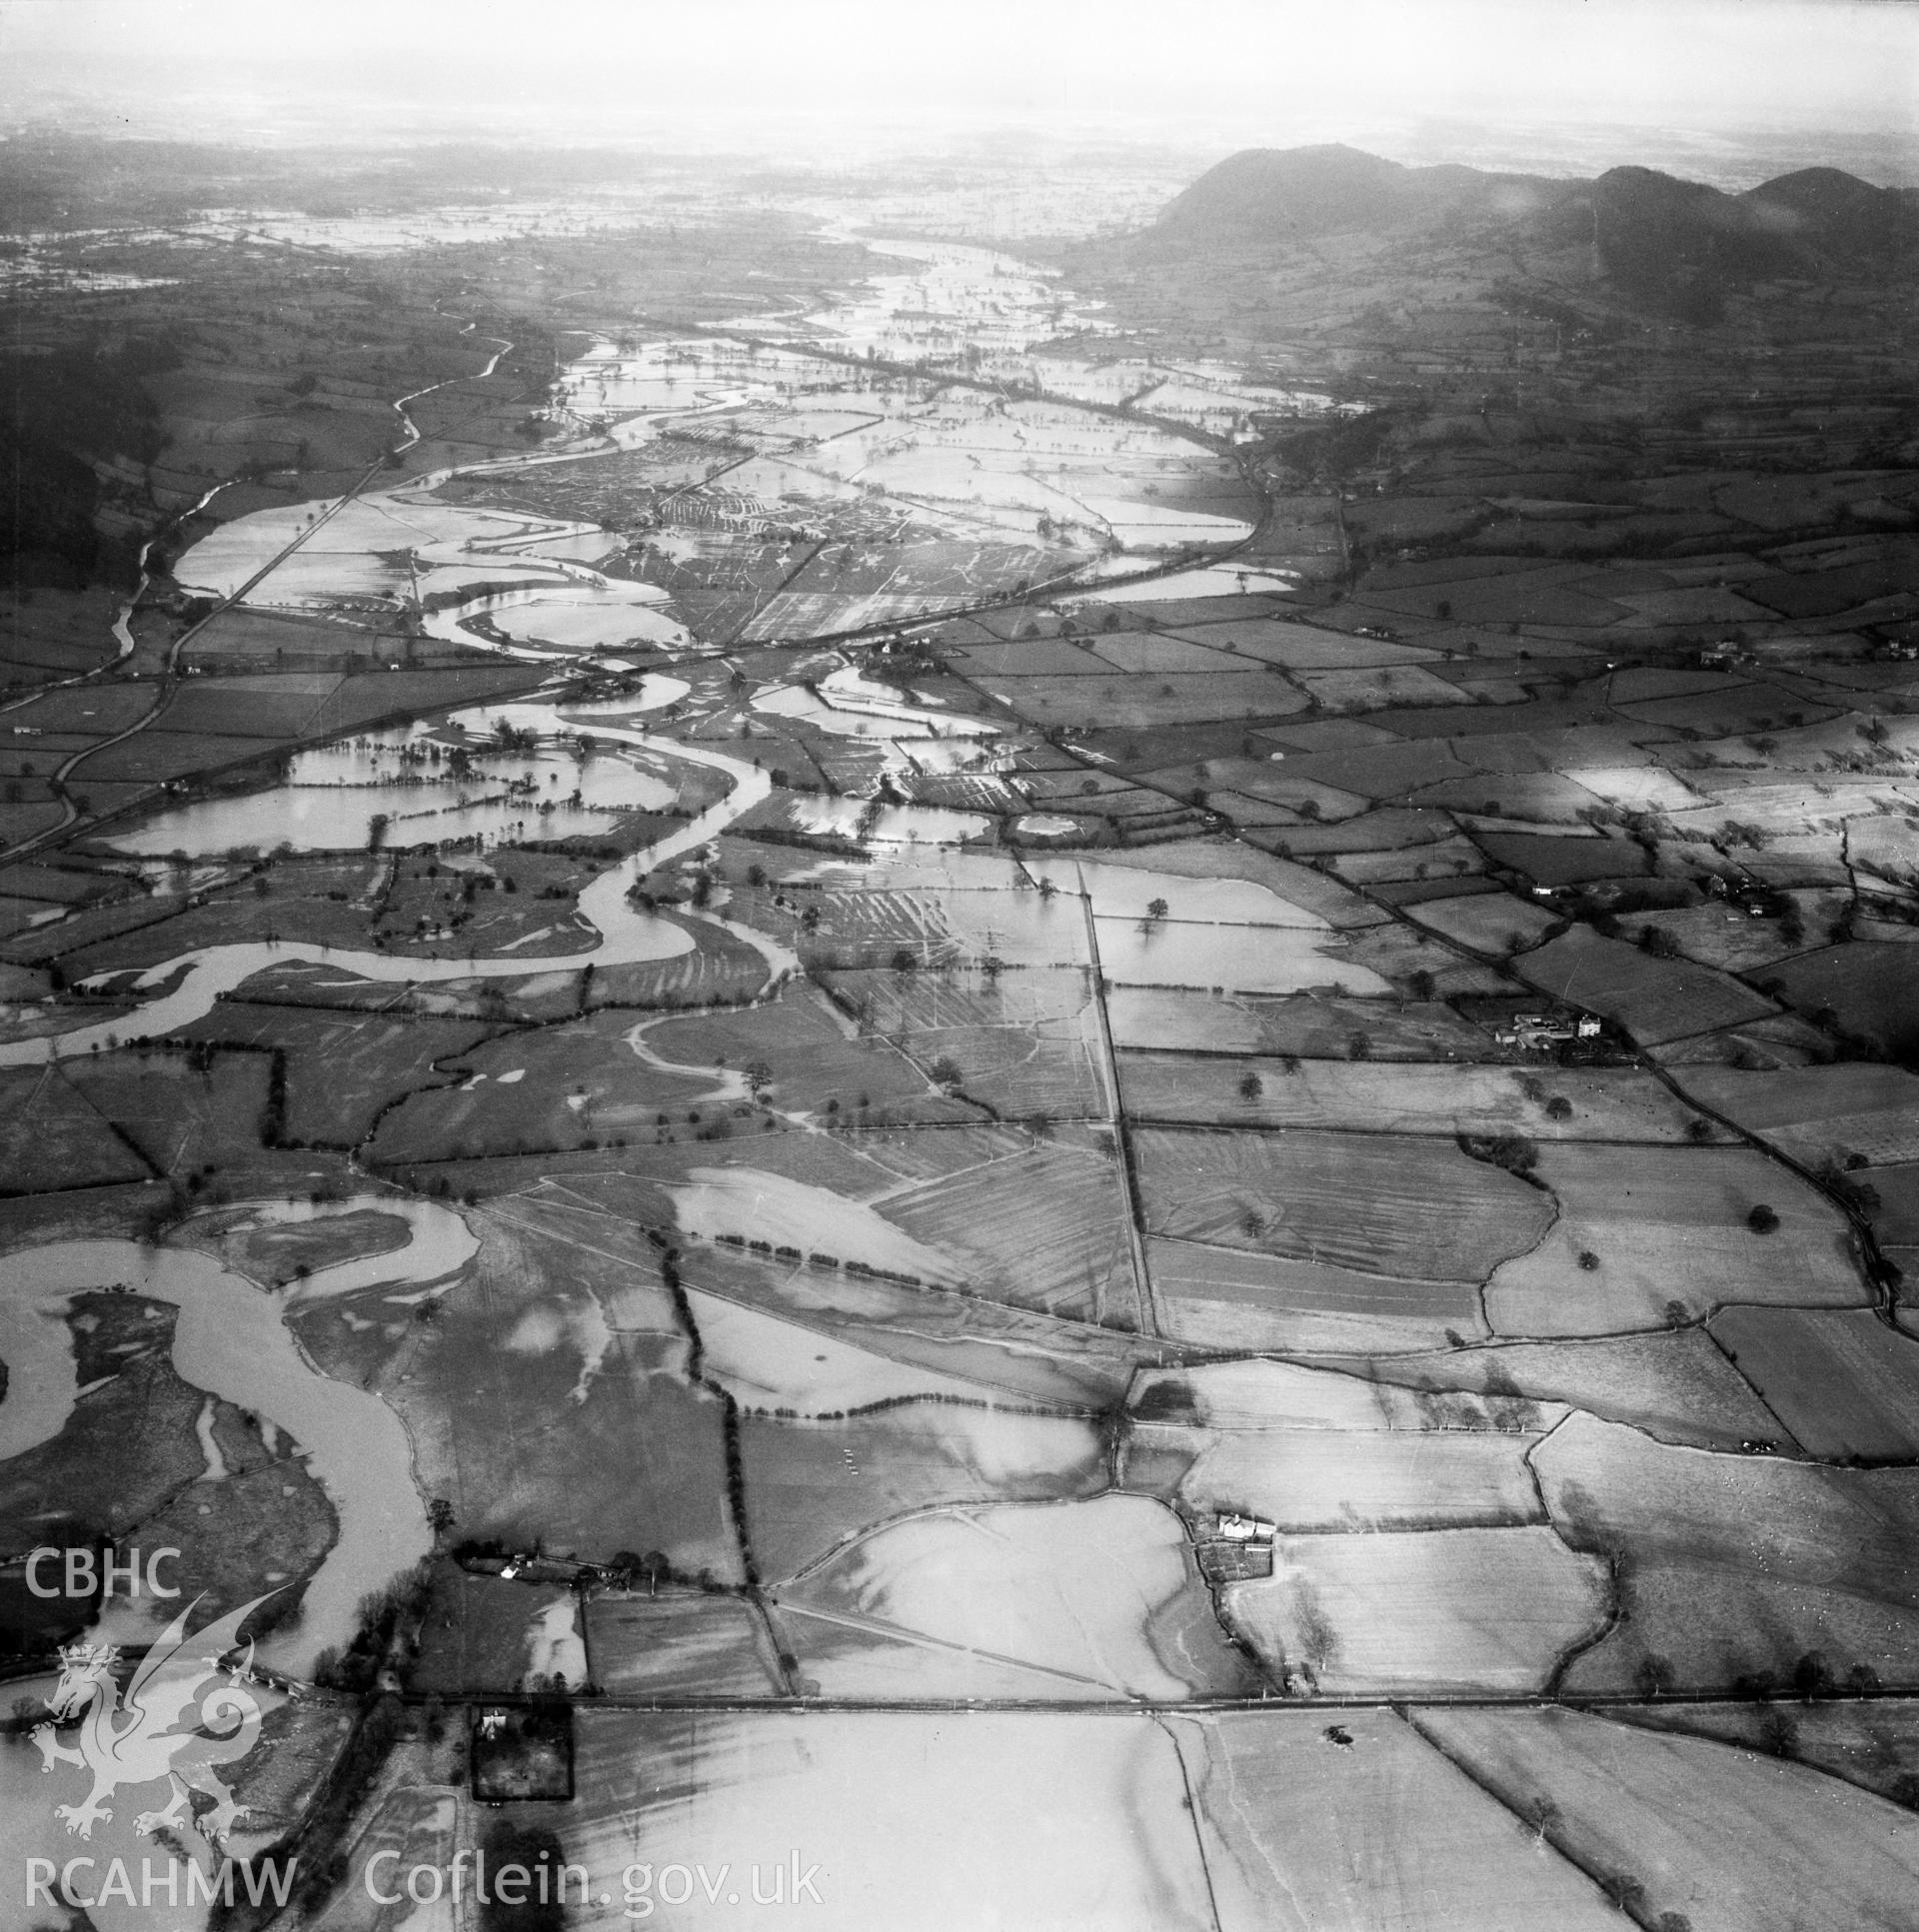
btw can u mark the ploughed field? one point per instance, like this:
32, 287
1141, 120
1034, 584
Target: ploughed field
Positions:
857, 1107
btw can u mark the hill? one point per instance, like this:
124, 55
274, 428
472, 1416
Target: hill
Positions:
1667, 243
1281, 194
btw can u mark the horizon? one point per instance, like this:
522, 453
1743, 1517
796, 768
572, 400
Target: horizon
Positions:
1547, 86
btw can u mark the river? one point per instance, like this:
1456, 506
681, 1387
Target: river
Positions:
230, 1340
627, 934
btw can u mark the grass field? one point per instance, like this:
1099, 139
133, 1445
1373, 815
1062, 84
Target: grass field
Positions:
678, 1644
1843, 1382
52, 1137
1310, 1025
1044, 1230
1668, 1227
1234, 1299
1870, 1743
812, 1486
1486, 922
1346, 1827
478, 1633
1432, 1213
1733, 1840
1600, 1102
1820, 1112
1365, 1481
1736, 1566
1676, 1384
1866, 988
1395, 1613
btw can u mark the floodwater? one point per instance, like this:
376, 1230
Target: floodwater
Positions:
891, 824
232, 1341
1235, 959
627, 935
333, 794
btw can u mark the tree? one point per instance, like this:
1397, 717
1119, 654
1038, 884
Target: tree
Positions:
440, 1516
1655, 1675
1625, 1891
946, 1071
1762, 1219
1156, 908
1250, 1086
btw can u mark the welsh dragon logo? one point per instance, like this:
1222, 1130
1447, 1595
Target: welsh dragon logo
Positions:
179, 1718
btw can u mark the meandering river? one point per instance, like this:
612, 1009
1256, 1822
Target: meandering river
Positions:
230, 1340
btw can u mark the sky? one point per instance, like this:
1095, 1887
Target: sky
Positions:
799, 77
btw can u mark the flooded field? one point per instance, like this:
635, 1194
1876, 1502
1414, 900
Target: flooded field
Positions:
1041, 1091
230, 1340
408, 781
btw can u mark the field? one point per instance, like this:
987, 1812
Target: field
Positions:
1393, 1614
1313, 1026
1610, 1104
1821, 1113
1088, 1599
680, 1645
1484, 923
765, 1362
1291, 1194
1671, 1236
1734, 1841
1865, 1744
1653, 1000
1083, 1815
1726, 1564
480, 1634
54, 1137
1361, 1481
1844, 1383
1234, 1298
1345, 1826
813, 1486
1675, 1384
343, 1068
1064, 1247
1866, 990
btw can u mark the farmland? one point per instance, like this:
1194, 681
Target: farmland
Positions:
796, 975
